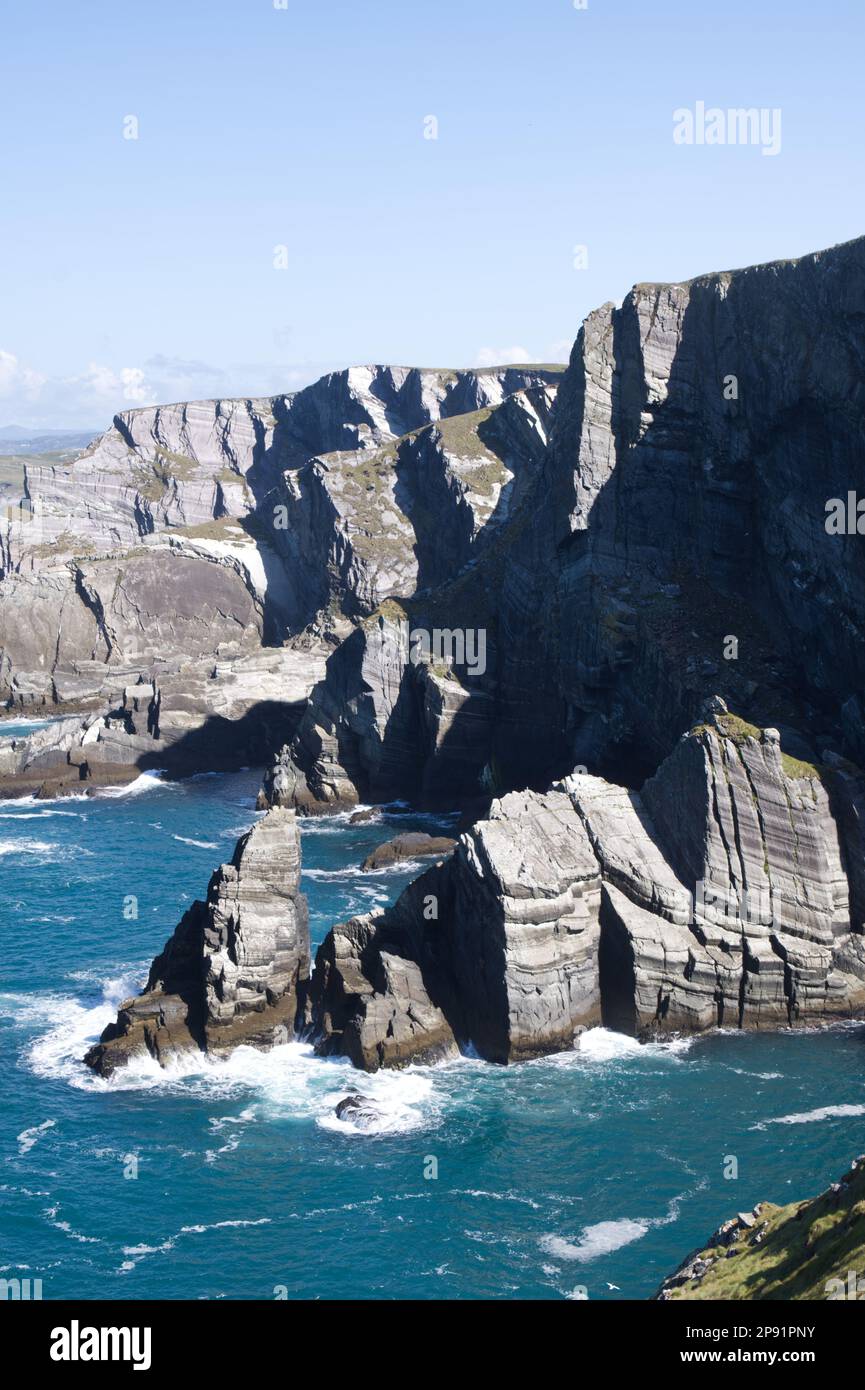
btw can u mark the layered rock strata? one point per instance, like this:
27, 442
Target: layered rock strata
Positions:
717, 896
673, 545
235, 970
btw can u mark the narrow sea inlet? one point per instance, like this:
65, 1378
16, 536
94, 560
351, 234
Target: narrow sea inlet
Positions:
601, 1166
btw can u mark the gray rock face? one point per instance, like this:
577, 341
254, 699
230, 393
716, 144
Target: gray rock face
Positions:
681, 503
412, 514
725, 899
382, 726
497, 946
717, 896
177, 466
192, 538
234, 971
714, 403
370, 1000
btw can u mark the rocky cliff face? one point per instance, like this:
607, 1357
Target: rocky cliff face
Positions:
505, 586
717, 896
673, 545
236, 967
189, 539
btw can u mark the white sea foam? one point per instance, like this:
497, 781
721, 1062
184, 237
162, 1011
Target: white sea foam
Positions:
199, 844
30, 1137
603, 1045
287, 1081
596, 1240
605, 1236
147, 782
40, 847
72, 1026
810, 1117
135, 1253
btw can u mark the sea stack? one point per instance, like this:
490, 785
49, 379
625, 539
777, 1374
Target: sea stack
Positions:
236, 968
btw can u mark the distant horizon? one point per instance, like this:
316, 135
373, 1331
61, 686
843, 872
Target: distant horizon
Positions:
39, 427
24, 432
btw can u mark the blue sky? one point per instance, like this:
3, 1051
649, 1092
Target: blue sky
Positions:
142, 270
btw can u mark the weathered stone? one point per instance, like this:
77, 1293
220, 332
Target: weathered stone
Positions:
413, 845
234, 971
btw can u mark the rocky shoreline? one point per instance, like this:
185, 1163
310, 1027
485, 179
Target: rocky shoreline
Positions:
597, 610
716, 897
804, 1250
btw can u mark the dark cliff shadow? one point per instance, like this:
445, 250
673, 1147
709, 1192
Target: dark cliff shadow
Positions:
226, 745
691, 538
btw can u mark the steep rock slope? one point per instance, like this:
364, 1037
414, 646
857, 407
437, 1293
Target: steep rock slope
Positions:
717, 896
190, 538
803, 1250
674, 544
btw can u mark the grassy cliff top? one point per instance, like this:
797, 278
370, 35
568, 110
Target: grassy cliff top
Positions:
790, 1252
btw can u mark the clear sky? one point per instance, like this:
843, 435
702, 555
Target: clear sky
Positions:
142, 270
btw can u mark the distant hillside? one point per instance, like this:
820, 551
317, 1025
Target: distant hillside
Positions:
14, 440
791, 1252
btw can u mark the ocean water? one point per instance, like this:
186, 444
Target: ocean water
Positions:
603, 1166
17, 728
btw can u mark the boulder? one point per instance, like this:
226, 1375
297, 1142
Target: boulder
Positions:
358, 1111
413, 845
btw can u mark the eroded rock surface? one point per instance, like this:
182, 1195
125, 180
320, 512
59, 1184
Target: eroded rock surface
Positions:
695, 440
236, 968
717, 896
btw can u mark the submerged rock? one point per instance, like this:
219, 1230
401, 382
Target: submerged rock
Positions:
234, 971
413, 845
359, 1111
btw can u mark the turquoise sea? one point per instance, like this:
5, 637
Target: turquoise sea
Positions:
555, 1179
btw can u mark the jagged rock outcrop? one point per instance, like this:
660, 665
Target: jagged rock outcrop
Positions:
499, 944
236, 968
507, 588
412, 514
178, 715
192, 537
803, 1250
715, 896
388, 722
371, 1002
175, 466
725, 898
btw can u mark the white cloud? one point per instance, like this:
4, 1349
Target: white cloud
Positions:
504, 356
89, 399
560, 351
18, 382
